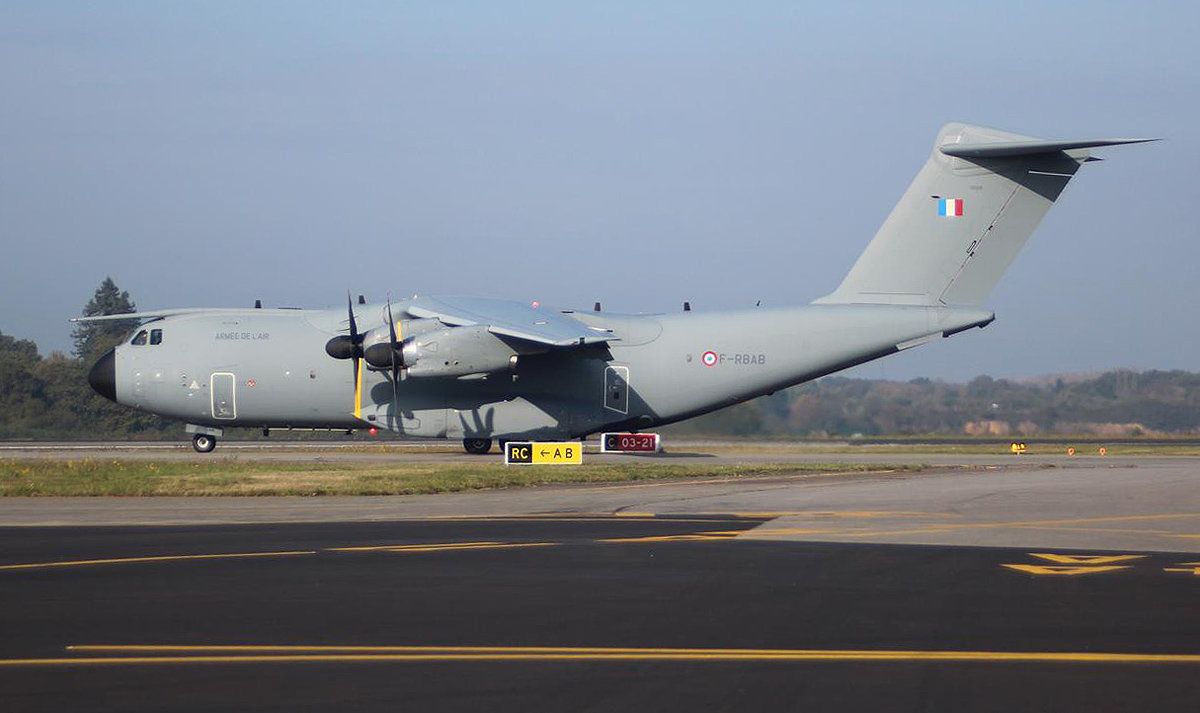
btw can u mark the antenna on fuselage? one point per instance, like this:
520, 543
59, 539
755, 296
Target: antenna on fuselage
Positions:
687, 306
257, 304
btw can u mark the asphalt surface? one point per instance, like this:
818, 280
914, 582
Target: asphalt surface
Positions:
1126, 502
983, 583
624, 602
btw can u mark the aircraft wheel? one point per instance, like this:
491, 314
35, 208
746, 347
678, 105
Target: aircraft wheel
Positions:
477, 446
204, 443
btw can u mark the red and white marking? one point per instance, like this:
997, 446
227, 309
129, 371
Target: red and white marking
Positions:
709, 358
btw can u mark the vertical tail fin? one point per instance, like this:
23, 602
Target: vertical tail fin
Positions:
964, 218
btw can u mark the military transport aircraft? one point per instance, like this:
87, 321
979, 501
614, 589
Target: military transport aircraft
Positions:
479, 369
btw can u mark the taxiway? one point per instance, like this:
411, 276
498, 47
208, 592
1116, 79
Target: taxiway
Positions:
981, 584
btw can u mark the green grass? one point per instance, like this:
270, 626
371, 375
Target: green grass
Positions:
95, 477
883, 450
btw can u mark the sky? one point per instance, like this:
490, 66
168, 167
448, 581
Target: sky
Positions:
636, 153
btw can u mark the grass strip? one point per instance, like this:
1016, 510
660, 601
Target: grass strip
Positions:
883, 450
117, 477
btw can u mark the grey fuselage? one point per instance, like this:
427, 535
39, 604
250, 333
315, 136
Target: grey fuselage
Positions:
267, 368
476, 368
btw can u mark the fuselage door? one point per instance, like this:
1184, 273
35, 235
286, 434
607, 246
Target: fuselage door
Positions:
224, 402
616, 389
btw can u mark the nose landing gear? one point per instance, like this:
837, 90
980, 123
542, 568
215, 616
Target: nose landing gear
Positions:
204, 443
477, 446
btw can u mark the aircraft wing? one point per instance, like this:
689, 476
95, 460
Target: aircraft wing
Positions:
162, 313
509, 319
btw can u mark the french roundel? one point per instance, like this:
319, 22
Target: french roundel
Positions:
709, 358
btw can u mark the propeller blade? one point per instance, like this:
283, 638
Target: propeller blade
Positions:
353, 326
347, 346
391, 327
395, 367
355, 348
355, 342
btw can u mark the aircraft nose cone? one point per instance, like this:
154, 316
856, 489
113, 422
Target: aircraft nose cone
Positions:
103, 376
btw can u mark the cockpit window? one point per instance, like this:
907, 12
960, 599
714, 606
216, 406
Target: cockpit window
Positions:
156, 336
139, 339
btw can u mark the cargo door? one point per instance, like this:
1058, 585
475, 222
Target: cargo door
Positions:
616, 389
224, 399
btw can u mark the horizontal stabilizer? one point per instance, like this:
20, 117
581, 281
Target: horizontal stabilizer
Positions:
1004, 149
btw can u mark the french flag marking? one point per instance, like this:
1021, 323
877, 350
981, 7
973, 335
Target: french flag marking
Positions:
950, 207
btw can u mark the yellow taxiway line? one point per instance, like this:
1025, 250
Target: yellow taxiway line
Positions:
675, 538
178, 654
444, 547
1058, 524
162, 558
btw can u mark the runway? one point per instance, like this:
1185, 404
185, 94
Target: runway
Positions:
984, 583
576, 613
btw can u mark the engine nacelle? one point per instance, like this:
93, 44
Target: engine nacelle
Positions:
457, 351
375, 343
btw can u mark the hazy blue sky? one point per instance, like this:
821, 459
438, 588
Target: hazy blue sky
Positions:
207, 154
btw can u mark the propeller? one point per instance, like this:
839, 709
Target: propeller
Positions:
395, 366
348, 346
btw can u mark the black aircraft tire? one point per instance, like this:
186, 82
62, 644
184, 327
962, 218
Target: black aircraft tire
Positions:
204, 443
477, 446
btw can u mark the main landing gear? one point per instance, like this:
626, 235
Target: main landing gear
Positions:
477, 446
204, 443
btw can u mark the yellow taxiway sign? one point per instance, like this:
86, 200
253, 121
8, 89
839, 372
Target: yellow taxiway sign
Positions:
548, 453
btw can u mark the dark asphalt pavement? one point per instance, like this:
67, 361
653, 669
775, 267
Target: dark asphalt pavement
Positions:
591, 582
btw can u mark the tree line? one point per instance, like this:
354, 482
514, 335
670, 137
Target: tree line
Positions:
49, 398
1119, 403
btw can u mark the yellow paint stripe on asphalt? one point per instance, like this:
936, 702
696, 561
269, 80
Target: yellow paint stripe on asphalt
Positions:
675, 538
577, 517
373, 548
1032, 524
504, 546
163, 558
1064, 570
317, 654
445, 547
772, 514
1084, 559
860, 514
1072, 528
783, 531
1082, 520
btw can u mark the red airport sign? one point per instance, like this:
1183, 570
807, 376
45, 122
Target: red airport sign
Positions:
629, 443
